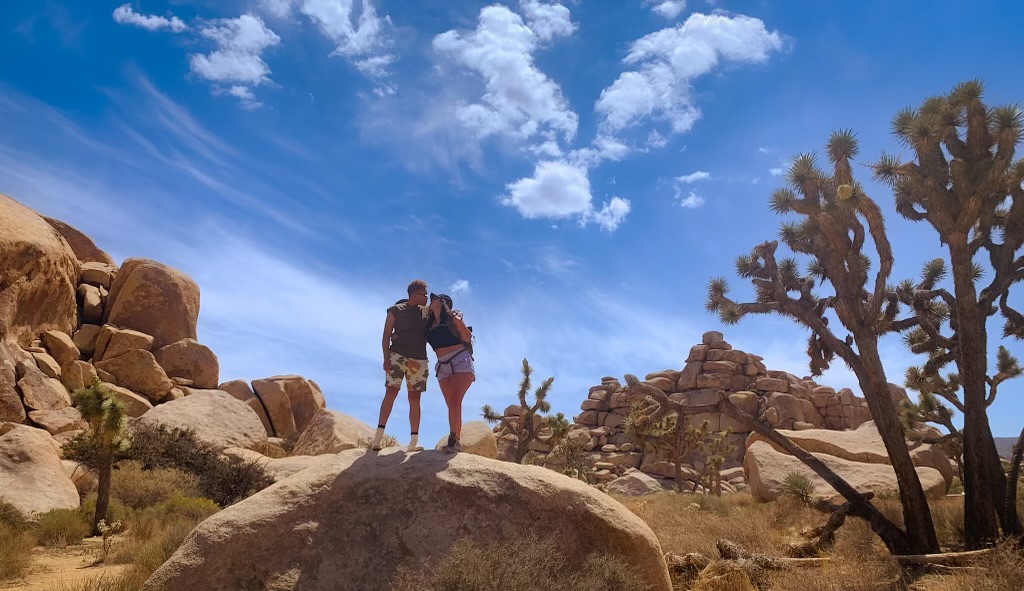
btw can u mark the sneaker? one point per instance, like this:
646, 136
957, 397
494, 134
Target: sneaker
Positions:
378, 438
451, 443
456, 447
414, 444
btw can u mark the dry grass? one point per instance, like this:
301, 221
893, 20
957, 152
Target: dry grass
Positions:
137, 488
60, 527
15, 551
1002, 571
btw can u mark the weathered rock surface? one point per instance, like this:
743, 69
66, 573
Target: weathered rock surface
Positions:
58, 421
38, 275
154, 299
216, 417
113, 342
82, 246
765, 469
634, 483
278, 468
191, 360
61, 347
98, 274
331, 432
135, 405
137, 370
47, 364
76, 375
38, 391
358, 516
241, 390
85, 339
477, 437
32, 477
863, 444
290, 401
11, 407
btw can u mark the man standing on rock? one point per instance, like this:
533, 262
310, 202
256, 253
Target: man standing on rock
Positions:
405, 356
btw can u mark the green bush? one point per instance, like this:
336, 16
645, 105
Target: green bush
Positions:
12, 516
61, 527
523, 564
193, 508
223, 479
15, 550
137, 488
116, 511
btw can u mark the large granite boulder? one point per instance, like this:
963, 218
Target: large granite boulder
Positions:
351, 521
634, 483
216, 417
135, 405
137, 370
291, 402
241, 390
191, 360
12, 409
478, 438
38, 391
84, 248
61, 347
155, 299
863, 444
278, 468
38, 276
32, 477
331, 432
765, 470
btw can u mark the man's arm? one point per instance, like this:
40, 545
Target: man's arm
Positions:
389, 328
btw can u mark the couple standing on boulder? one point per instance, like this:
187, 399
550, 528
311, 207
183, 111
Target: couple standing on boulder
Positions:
411, 324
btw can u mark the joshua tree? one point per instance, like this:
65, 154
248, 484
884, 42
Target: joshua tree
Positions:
964, 182
716, 448
672, 435
105, 416
529, 423
836, 219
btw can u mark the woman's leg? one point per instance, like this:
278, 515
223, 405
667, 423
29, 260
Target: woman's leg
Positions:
460, 383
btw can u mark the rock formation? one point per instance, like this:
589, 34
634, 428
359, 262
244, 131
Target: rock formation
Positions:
349, 523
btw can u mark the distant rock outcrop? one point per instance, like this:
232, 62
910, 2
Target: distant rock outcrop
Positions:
38, 276
349, 523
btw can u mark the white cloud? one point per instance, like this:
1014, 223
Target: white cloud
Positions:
277, 8
656, 140
669, 9
612, 214
237, 61
764, 149
667, 61
778, 171
360, 35
460, 286
520, 101
691, 201
693, 177
547, 21
556, 190
126, 16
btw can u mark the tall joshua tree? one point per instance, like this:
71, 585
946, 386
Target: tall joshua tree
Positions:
964, 182
528, 425
105, 416
836, 219
673, 435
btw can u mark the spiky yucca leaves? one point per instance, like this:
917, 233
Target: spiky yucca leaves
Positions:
835, 222
525, 427
105, 416
964, 182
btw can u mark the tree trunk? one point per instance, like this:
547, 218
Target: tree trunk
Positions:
916, 512
1014, 477
678, 463
895, 540
104, 466
981, 477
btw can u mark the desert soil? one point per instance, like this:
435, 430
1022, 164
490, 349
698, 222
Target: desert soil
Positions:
55, 569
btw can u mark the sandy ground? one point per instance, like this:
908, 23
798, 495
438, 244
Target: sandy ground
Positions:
59, 569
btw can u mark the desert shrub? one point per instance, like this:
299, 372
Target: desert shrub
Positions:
523, 564
15, 550
223, 479
366, 442
192, 508
798, 486
61, 527
137, 488
116, 511
12, 516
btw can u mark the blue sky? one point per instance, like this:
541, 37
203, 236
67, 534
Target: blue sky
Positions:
572, 173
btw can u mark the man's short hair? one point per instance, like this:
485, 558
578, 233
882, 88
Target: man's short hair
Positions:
416, 286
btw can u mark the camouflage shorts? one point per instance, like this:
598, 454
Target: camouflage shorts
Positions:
415, 372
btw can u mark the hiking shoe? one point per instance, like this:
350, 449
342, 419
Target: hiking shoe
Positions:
456, 448
451, 443
414, 444
378, 438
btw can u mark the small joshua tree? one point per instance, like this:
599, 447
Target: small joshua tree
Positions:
672, 435
528, 425
716, 448
105, 416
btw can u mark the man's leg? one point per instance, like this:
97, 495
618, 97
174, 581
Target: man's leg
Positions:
416, 379
414, 419
390, 394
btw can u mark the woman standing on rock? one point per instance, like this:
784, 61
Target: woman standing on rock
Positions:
452, 342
